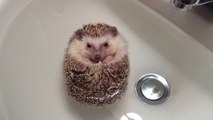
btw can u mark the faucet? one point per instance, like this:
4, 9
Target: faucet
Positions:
189, 3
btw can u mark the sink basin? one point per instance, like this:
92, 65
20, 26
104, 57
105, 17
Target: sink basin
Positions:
33, 37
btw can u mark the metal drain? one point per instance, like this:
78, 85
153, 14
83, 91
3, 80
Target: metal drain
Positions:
152, 89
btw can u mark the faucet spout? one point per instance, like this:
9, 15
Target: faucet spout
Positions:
189, 3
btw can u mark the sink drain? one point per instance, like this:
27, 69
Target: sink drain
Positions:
152, 89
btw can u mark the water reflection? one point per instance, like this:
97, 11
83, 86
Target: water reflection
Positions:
131, 116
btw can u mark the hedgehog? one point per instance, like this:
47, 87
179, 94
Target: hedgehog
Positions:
96, 65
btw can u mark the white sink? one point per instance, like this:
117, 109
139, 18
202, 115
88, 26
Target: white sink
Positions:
33, 37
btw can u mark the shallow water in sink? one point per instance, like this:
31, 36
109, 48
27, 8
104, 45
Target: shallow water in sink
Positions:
31, 56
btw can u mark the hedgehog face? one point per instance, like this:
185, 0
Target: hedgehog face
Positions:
97, 45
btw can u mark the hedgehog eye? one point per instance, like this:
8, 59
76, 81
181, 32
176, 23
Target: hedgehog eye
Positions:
106, 44
89, 45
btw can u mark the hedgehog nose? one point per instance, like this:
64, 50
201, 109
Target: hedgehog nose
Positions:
97, 58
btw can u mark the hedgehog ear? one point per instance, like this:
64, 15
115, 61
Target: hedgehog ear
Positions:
79, 34
113, 30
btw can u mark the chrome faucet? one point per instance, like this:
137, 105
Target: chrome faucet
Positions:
189, 3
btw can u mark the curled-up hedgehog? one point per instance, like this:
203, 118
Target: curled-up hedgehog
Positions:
96, 65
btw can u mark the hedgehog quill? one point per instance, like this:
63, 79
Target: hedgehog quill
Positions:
96, 65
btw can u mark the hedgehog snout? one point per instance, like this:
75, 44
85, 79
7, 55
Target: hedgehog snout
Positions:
101, 57
97, 58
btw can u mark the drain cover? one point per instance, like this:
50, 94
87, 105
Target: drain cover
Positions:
152, 89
